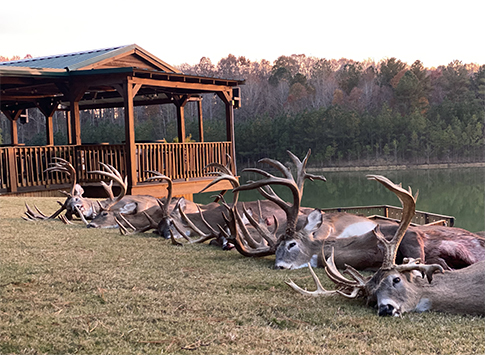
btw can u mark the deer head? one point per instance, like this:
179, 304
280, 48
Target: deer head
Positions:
75, 203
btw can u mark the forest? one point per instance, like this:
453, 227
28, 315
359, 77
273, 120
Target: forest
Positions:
347, 112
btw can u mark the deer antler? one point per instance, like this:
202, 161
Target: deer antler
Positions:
296, 187
409, 208
160, 176
115, 175
345, 287
64, 166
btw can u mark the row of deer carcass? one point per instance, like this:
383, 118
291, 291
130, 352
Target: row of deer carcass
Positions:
406, 257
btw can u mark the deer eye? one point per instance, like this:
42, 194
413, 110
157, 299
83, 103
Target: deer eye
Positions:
396, 280
291, 245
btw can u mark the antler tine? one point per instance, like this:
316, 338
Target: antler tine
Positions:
290, 210
115, 175
160, 176
320, 291
409, 209
203, 236
301, 172
415, 264
220, 167
65, 167
262, 229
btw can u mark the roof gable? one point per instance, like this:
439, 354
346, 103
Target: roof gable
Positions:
116, 57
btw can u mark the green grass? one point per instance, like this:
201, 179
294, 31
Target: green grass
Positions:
69, 289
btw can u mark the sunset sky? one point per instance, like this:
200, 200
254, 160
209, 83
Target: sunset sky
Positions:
435, 32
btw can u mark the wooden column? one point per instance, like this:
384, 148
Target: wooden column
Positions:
226, 97
48, 108
75, 122
128, 91
180, 101
201, 123
68, 126
13, 116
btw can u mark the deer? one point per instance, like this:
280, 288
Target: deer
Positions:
411, 286
352, 235
122, 204
75, 203
300, 241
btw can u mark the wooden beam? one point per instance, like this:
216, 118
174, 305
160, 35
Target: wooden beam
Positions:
68, 127
182, 85
48, 108
13, 116
75, 94
226, 97
128, 91
180, 101
201, 123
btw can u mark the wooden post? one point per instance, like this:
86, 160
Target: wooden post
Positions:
75, 123
201, 123
180, 101
13, 116
12, 168
226, 96
128, 91
68, 126
48, 108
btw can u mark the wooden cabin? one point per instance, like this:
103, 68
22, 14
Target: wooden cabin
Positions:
125, 76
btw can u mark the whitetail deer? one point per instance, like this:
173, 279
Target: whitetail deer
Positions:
297, 245
122, 203
75, 203
397, 289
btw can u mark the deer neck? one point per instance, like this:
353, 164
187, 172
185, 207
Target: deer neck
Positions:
360, 252
459, 291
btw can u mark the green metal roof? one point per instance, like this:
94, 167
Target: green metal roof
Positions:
63, 61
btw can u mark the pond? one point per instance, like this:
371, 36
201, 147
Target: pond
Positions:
454, 192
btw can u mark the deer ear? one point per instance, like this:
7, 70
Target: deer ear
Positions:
313, 221
78, 190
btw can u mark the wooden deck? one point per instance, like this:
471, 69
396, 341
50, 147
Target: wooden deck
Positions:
22, 168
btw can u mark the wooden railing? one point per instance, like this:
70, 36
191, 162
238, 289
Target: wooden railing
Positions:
22, 168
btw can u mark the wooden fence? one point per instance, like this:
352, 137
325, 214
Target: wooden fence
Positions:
22, 168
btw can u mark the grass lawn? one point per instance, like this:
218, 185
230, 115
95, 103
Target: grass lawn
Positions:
69, 289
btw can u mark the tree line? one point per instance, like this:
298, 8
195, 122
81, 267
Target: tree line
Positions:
347, 112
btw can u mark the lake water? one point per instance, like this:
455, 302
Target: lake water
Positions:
454, 192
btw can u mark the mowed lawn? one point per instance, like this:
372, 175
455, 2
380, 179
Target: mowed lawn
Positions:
69, 289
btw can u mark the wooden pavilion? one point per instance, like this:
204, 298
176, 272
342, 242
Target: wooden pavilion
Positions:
124, 76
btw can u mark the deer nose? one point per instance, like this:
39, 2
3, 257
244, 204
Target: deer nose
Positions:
386, 310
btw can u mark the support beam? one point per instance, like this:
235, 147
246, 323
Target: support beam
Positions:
226, 97
13, 116
48, 108
128, 91
180, 101
67, 115
201, 123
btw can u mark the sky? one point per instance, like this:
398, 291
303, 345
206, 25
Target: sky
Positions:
177, 32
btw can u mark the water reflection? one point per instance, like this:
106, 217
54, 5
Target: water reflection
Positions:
455, 192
